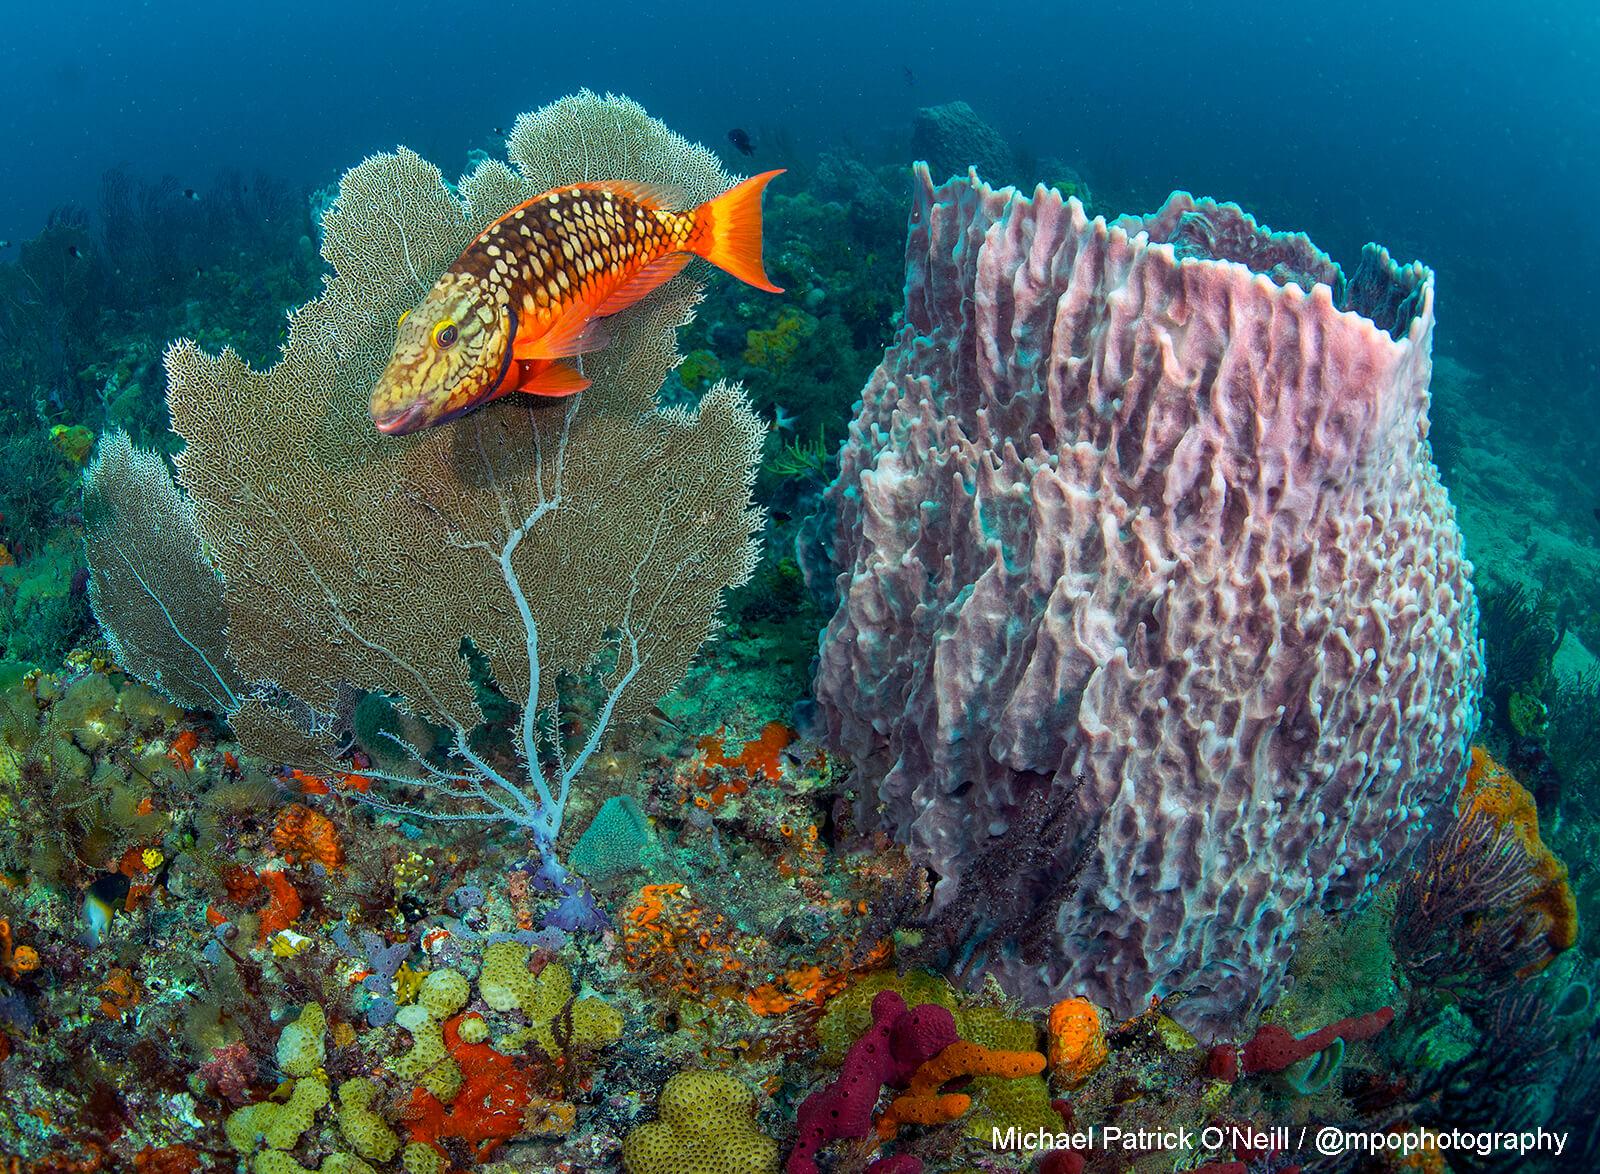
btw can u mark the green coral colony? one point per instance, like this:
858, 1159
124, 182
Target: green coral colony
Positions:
435, 803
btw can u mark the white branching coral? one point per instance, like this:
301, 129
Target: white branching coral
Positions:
561, 540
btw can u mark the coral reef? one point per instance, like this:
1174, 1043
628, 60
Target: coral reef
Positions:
1150, 635
952, 138
209, 962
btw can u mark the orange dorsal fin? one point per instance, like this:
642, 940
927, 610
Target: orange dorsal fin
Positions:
661, 196
544, 378
728, 231
576, 332
657, 273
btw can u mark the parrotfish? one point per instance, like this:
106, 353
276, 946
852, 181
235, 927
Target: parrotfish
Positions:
533, 289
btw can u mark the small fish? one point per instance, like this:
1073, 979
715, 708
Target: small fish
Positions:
5, 244
100, 903
190, 194
740, 138
535, 287
782, 420
911, 78
499, 130
74, 251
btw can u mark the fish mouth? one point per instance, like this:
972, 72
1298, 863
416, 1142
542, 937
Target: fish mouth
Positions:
408, 419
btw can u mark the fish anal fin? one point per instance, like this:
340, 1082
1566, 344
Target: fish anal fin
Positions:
657, 273
547, 379
574, 333
661, 196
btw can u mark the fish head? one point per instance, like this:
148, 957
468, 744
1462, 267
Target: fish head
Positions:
450, 353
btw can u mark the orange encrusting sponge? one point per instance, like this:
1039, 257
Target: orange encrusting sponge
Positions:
1492, 792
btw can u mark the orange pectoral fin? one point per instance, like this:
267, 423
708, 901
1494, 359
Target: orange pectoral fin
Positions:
657, 273
545, 378
575, 333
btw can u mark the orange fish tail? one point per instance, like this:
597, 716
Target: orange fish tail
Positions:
728, 231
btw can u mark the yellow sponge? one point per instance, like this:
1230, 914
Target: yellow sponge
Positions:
294, 1116
245, 1126
278, 1162
421, 1159
595, 1024
504, 982
344, 1164
705, 1125
301, 1045
367, 1132
443, 993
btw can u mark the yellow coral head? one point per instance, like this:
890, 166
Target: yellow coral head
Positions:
449, 355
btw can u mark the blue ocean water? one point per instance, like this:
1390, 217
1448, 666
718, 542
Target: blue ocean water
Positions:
1458, 133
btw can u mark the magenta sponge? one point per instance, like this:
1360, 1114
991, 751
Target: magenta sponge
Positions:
1153, 626
900, 1039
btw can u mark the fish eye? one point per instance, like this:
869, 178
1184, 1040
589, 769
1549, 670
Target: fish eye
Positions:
444, 335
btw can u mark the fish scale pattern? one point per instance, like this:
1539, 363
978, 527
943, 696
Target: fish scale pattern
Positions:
552, 251
1153, 626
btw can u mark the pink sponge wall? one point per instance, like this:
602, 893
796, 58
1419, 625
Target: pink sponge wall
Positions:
1154, 628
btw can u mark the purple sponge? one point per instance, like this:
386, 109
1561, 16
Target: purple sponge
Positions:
899, 1040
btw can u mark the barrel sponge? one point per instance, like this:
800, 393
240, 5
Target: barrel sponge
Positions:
705, 1124
443, 993
1152, 629
504, 981
366, 1131
302, 1045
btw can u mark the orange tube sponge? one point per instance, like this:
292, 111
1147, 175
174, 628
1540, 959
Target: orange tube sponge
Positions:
922, 1103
